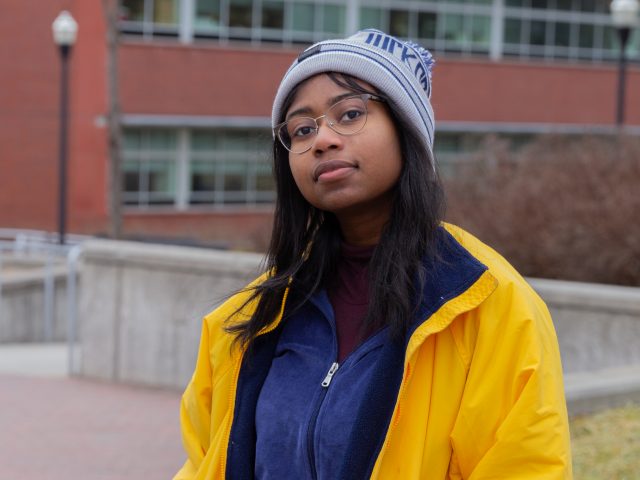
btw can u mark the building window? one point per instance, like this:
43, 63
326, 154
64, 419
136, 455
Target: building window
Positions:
149, 167
230, 167
150, 17
273, 15
220, 167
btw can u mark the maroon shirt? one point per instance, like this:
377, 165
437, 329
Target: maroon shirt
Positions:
349, 296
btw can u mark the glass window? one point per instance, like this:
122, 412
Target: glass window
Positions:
132, 140
235, 141
132, 10
235, 176
562, 34
454, 28
207, 14
610, 38
333, 19
512, 30
149, 166
538, 33
203, 140
481, 30
203, 176
564, 4
303, 17
587, 5
264, 178
371, 18
161, 177
273, 15
399, 23
165, 12
131, 173
427, 22
161, 139
586, 34
540, 4
240, 13
517, 3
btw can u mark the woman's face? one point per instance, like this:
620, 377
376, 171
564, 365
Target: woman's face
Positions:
353, 175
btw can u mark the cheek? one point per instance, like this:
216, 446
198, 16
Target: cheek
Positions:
299, 174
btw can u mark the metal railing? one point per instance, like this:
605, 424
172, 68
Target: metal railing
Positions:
41, 250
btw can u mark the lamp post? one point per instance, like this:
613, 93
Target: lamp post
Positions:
625, 16
65, 30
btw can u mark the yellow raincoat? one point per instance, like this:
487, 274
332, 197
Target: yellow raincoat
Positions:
481, 395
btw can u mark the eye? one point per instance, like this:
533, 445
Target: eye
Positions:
301, 128
351, 115
303, 131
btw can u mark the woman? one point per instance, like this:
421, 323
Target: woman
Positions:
382, 343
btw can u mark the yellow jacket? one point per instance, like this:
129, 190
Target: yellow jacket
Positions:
480, 397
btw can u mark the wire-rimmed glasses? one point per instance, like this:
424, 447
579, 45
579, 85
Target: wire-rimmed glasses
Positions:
346, 117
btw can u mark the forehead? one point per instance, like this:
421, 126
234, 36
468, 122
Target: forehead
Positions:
320, 90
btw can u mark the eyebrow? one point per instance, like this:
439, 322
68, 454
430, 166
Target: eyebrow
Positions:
329, 103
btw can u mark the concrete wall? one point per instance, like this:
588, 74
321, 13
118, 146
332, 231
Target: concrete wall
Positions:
24, 314
141, 308
598, 326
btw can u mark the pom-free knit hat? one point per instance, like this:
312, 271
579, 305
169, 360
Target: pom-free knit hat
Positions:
400, 70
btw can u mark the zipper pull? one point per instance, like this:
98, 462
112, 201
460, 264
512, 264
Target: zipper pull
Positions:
330, 374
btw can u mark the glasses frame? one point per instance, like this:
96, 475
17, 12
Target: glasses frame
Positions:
365, 97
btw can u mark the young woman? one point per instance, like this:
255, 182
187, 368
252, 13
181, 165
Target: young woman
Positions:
381, 343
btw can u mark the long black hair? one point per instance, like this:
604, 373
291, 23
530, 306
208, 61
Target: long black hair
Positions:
305, 241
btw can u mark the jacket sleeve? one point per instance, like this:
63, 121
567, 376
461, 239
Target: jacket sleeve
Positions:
195, 411
512, 422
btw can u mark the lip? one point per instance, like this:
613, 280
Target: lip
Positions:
331, 166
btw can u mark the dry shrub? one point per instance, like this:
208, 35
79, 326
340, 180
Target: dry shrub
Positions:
561, 207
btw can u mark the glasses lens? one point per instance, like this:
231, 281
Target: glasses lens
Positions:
348, 116
298, 133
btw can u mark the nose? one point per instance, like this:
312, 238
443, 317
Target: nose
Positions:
326, 138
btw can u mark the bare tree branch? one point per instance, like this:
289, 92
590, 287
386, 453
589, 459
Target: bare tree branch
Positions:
110, 9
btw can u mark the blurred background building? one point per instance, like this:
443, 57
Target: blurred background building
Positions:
197, 78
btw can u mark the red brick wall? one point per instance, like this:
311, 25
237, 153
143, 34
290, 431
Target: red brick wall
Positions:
200, 80
245, 230
534, 92
29, 116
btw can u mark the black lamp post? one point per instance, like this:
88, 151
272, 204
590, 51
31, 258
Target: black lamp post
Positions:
625, 16
65, 30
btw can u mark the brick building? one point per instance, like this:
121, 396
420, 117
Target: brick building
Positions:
197, 78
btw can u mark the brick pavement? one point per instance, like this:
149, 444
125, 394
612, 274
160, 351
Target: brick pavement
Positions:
77, 429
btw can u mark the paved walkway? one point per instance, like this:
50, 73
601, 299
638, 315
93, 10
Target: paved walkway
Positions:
53, 427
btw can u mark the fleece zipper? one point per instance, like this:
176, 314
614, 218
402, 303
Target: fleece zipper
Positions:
314, 418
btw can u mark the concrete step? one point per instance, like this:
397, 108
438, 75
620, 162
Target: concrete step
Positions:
35, 359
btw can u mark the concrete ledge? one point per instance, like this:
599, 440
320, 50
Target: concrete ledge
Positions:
175, 258
588, 296
587, 392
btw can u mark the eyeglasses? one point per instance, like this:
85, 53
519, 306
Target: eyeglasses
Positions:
346, 117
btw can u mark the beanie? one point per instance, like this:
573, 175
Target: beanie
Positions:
399, 69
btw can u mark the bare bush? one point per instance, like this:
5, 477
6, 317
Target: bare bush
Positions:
561, 207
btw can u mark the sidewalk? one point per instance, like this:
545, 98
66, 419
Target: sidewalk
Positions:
53, 427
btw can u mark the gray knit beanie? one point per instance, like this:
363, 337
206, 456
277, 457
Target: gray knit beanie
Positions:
400, 70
